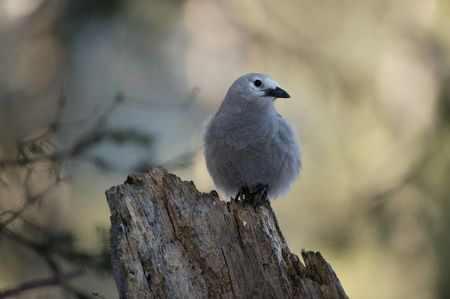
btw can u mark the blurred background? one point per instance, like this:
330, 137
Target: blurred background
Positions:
93, 90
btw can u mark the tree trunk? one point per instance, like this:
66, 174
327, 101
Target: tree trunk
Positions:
169, 240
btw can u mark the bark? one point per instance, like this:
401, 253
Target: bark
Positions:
169, 240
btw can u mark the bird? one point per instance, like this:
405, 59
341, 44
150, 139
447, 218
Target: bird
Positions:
249, 148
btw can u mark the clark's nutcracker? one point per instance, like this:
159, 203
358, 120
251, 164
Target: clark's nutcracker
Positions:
249, 147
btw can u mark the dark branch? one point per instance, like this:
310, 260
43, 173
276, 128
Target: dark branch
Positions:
40, 283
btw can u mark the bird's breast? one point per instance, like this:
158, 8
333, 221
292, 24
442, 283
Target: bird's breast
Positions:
250, 133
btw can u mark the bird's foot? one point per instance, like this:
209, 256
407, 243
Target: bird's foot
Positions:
261, 195
257, 198
242, 195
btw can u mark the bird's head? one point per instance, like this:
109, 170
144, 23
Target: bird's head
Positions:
256, 87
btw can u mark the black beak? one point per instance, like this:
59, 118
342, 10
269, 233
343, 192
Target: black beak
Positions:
277, 93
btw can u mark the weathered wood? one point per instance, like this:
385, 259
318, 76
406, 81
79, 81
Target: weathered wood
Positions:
169, 240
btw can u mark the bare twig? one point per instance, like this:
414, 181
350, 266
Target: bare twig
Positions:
181, 159
24, 159
95, 294
52, 247
52, 128
29, 202
193, 95
40, 283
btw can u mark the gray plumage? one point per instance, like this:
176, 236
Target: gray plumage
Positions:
247, 143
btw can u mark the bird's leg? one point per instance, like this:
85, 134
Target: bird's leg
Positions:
242, 194
261, 191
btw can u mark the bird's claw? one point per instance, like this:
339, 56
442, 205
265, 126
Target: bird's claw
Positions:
242, 194
261, 191
258, 198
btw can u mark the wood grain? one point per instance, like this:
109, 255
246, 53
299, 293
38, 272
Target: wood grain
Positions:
169, 240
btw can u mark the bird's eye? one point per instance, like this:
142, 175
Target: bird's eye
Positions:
257, 83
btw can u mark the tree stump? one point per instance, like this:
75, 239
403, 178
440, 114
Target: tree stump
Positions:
168, 240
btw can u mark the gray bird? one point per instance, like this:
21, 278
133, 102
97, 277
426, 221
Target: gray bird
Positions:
249, 147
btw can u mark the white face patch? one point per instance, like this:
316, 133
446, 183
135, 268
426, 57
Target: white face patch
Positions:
270, 84
254, 86
259, 84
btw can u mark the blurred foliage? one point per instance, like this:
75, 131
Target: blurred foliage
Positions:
121, 137
79, 9
371, 87
58, 248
